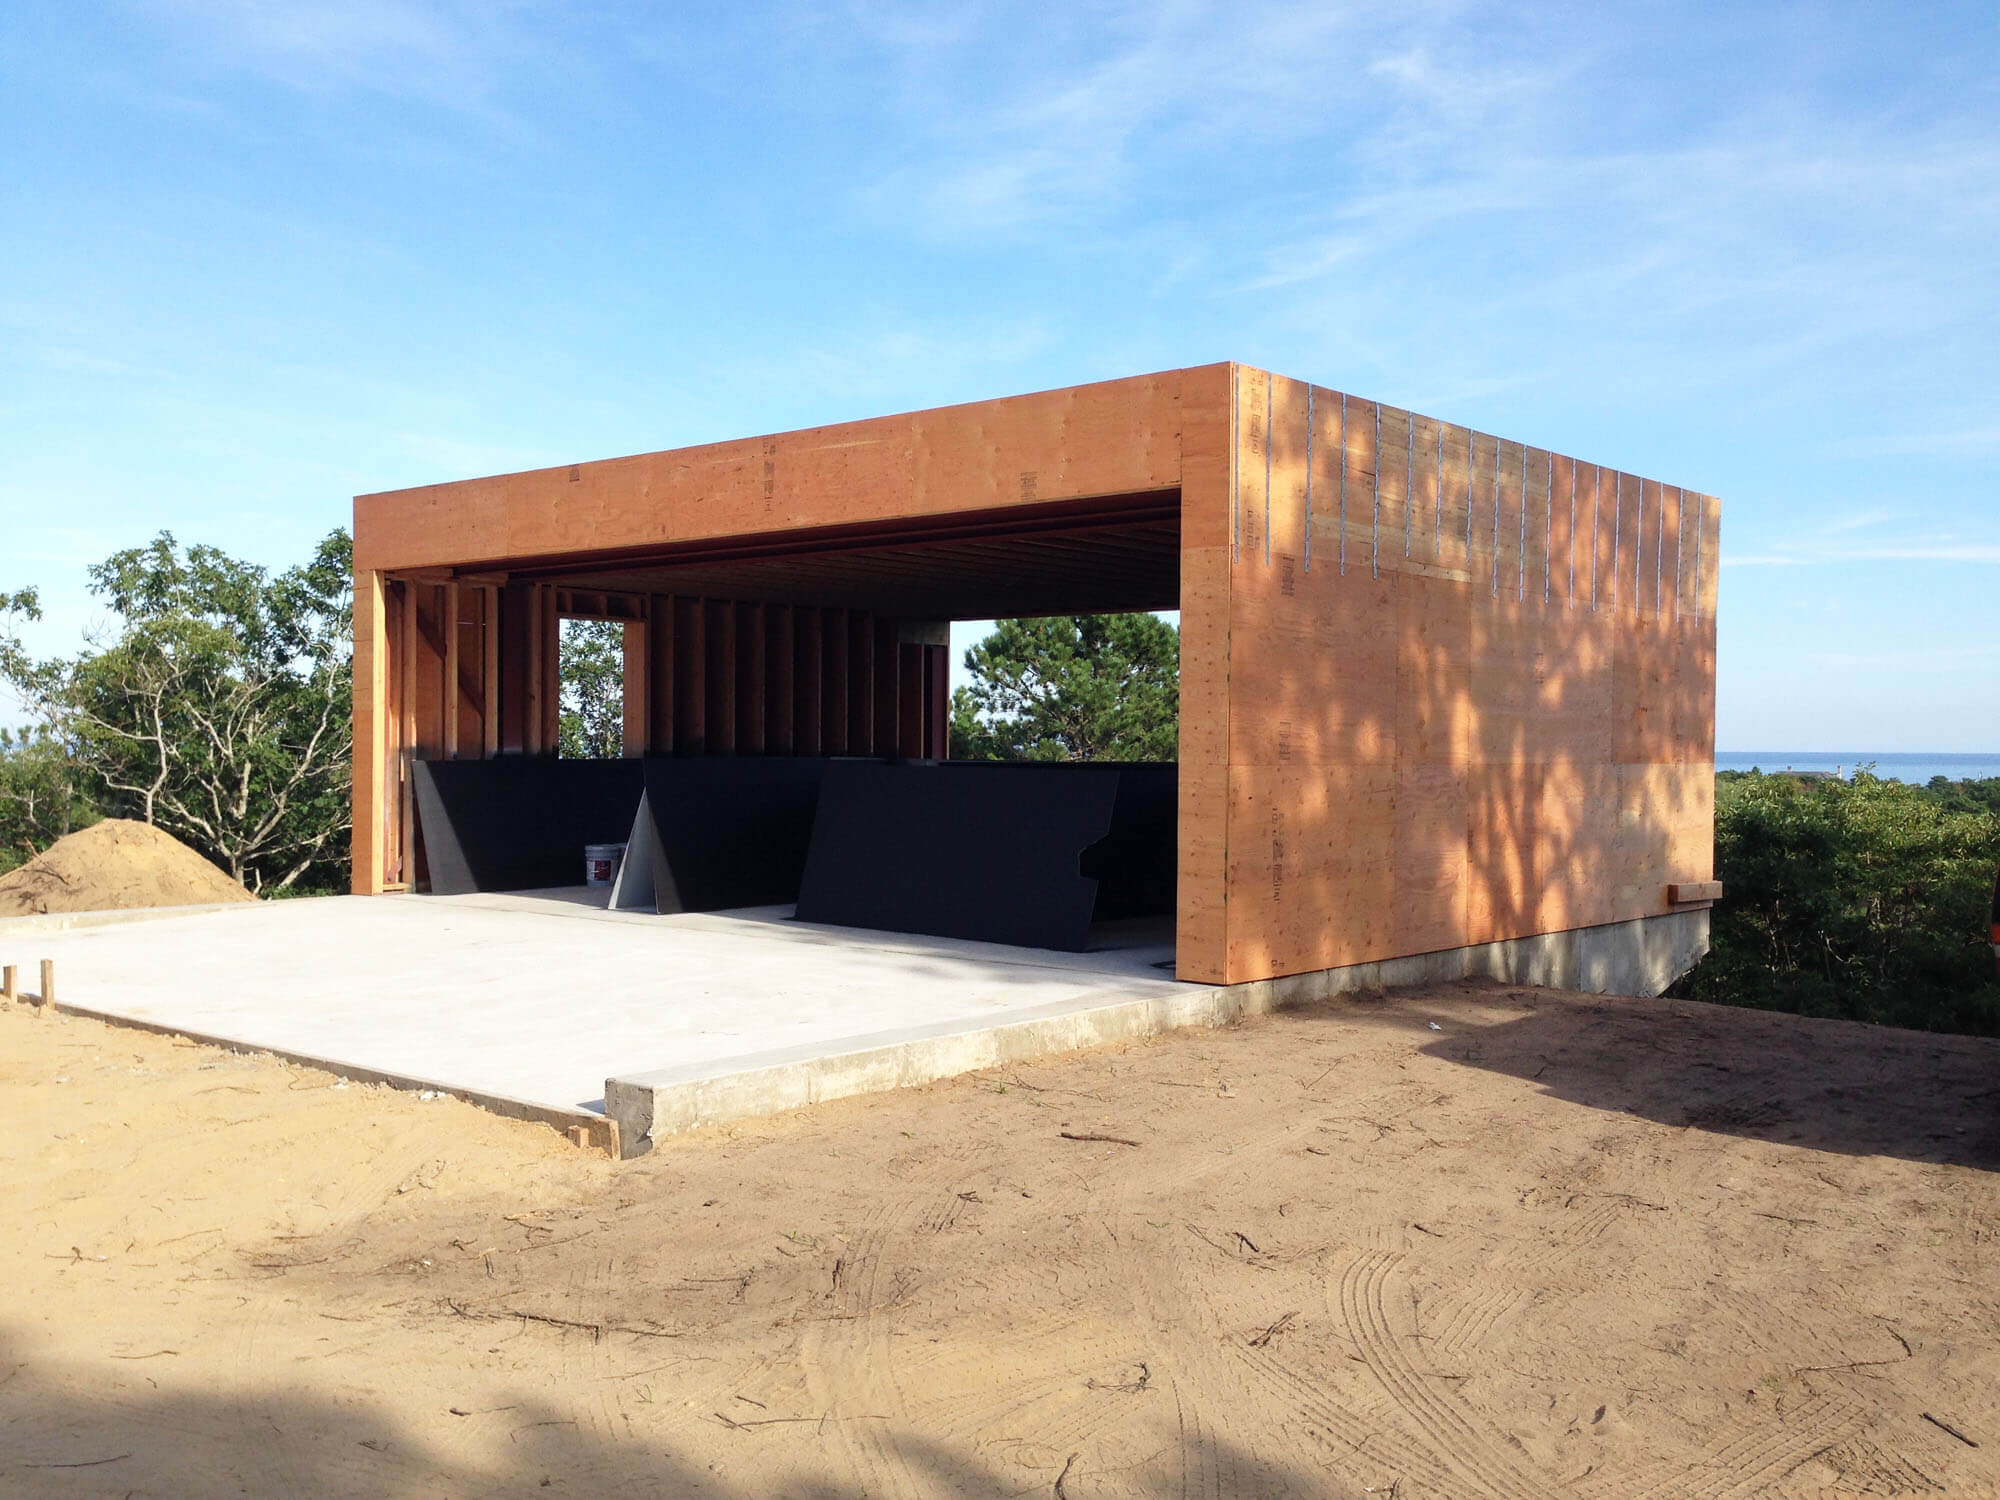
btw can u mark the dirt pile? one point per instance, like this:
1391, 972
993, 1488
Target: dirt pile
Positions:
114, 864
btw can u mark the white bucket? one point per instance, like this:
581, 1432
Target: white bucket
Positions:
600, 863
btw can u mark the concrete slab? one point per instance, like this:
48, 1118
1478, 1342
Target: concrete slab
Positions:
535, 999
625, 1027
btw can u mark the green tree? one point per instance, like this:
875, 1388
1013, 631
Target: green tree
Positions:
1970, 795
591, 668
1071, 687
43, 794
45, 790
1865, 899
219, 707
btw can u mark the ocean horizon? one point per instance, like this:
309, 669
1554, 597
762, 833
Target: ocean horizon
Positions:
1915, 767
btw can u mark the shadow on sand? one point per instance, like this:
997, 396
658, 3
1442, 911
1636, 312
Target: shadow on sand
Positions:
1828, 1085
72, 1431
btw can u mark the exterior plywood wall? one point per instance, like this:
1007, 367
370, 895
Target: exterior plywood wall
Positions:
1469, 688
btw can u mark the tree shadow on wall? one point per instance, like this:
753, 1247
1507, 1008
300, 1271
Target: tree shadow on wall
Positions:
1835, 1086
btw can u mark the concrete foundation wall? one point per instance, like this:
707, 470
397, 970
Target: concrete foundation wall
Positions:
1639, 957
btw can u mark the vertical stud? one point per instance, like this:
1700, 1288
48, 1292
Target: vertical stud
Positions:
1235, 439
1437, 487
1409, 480
1270, 396
1659, 560
451, 648
1496, 518
1309, 476
1700, 532
1572, 531
1639, 548
1375, 520
1617, 527
1471, 464
1548, 527
489, 671
1521, 553
1596, 494
1343, 484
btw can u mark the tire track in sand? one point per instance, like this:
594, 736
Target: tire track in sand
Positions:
1325, 1444
1739, 1463
1446, 1427
847, 1356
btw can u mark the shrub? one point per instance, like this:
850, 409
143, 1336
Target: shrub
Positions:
1864, 899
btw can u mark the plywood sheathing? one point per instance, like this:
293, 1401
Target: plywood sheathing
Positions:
1435, 739
1208, 480
1114, 438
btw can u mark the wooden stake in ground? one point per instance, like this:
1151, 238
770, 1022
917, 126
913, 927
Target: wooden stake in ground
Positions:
9, 985
48, 983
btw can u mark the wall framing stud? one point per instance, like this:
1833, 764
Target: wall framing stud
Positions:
1596, 495
1437, 487
1496, 518
1617, 528
451, 694
1659, 554
1270, 395
1236, 437
1409, 480
1572, 531
1548, 528
1309, 477
1343, 484
1375, 520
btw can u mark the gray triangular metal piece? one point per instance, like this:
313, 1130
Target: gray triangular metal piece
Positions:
633, 890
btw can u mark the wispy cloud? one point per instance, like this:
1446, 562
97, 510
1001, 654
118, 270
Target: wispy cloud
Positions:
1052, 144
441, 50
1960, 442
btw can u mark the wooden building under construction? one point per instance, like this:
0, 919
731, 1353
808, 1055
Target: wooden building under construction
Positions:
1442, 693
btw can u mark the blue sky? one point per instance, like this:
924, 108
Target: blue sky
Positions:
260, 256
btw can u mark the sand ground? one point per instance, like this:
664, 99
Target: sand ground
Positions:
1463, 1242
